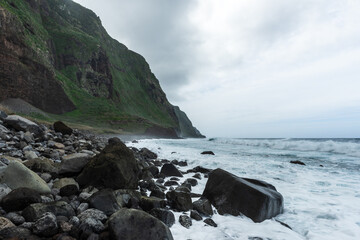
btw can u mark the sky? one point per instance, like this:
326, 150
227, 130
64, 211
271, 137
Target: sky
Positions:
249, 68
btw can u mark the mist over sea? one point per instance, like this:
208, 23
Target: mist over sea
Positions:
321, 199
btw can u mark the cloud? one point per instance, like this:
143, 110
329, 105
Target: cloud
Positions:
250, 68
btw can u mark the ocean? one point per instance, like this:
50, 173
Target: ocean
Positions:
321, 199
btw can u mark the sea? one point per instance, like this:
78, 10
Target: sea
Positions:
321, 199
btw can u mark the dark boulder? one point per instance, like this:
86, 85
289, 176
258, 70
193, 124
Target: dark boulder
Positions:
148, 203
179, 200
297, 162
195, 215
146, 154
208, 153
17, 233
163, 215
234, 195
19, 199
185, 221
106, 201
203, 206
199, 169
115, 167
169, 169
23, 124
62, 128
37, 210
210, 222
131, 224
157, 193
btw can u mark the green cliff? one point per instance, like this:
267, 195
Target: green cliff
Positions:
56, 55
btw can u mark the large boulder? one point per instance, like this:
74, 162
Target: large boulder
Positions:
179, 200
165, 215
16, 175
19, 199
170, 170
37, 210
74, 163
203, 206
115, 167
23, 124
233, 195
106, 201
62, 128
131, 224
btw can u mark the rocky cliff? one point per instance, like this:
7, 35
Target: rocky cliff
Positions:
56, 55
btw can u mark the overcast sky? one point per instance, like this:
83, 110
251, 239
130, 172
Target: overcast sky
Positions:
249, 68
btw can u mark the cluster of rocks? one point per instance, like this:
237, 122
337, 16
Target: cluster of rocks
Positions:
57, 183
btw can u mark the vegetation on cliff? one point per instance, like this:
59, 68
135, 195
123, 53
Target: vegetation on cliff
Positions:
59, 58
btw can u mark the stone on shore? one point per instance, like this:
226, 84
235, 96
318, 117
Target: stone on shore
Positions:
19, 199
297, 162
62, 128
106, 201
203, 206
169, 169
46, 225
42, 165
74, 163
67, 186
5, 223
23, 124
208, 153
16, 175
115, 167
179, 200
36, 210
130, 224
185, 221
163, 215
234, 195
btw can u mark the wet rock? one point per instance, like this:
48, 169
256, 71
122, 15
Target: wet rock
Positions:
67, 186
146, 154
171, 183
158, 193
106, 201
17, 233
5, 223
185, 221
210, 222
298, 162
148, 203
169, 169
179, 200
62, 128
203, 206
208, 153
25, 178
17, 219
195, 215
199, 169
23, 124
74, 163
46, 225
36, 210
193, 182
163, 215
234, 195
82, 207
115, 167
153, 169
135, 224
42, 165
19, 199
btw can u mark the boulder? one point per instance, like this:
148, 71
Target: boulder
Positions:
16, 218
163, 215
129, 224
92, 213
169, 169
179, 200
208, 153
203, 206
23, 124
67, 186
210, 222
17, 233
37, 210
106, 201
297, 162
62, 128
234, 195
74, 163
42, 165
195, 215
3, 115
115, 167
16, 175
19, 199
46, 225
148, 203
199, 169
30, 155
146, 154
185, 221
5, 223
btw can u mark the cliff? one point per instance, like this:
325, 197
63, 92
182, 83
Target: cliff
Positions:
56, 55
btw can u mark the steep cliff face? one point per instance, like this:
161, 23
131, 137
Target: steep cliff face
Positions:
56, 55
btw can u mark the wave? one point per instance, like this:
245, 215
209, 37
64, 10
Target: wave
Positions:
350, 147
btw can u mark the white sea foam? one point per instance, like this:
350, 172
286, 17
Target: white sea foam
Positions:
321, 203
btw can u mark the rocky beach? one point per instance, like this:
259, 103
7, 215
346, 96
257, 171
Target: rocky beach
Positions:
59, 183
